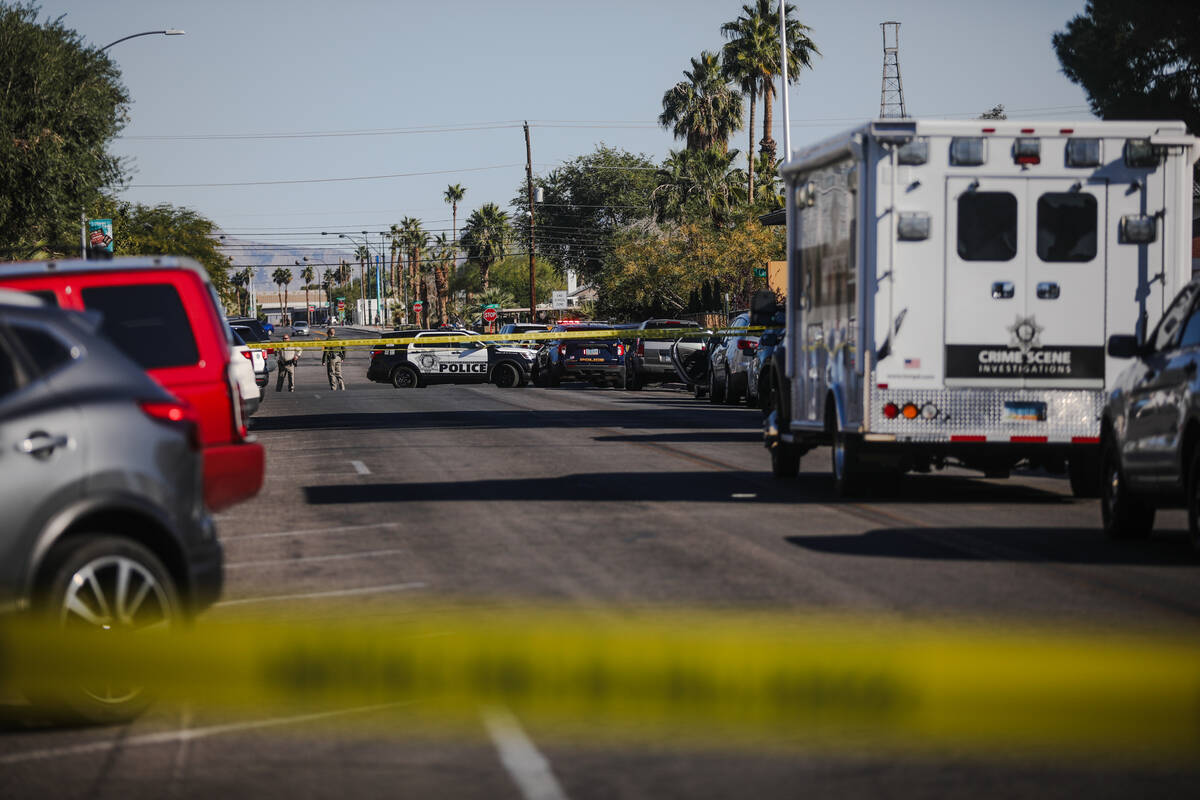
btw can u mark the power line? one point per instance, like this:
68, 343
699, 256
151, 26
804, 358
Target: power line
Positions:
315, 180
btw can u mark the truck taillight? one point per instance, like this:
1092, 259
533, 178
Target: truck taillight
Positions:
269, 351
620, 349
246, 353
747, 344
891, 411
641, 348
562, 349
376, 353
176, 413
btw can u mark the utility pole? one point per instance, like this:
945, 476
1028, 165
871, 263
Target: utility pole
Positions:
891, 96
532, 258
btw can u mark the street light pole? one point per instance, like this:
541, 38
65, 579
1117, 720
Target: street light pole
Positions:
167, 32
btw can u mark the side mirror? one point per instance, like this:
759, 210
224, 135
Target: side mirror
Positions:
1123, 346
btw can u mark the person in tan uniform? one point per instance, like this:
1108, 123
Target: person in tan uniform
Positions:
287, 358
332, 357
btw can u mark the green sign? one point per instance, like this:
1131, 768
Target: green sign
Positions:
760, 272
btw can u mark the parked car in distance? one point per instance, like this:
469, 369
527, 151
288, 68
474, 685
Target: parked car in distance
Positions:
1150, 425
437, 361
600, 360
758, 374
164, 314
300, 328
729, 361
105, 523
650, 359
251, 369
258, 330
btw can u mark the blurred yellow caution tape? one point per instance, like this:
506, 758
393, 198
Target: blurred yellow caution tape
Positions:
405, 338
713, 679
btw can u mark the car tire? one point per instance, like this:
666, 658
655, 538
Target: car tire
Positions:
633, 379
1123, 513
699, 391
79, 572
1193, 505
732, 398
405, 378
844, 466
1084, 475
506, 375
716, 391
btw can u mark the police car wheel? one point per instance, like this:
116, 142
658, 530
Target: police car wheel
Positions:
506, 376
404, 378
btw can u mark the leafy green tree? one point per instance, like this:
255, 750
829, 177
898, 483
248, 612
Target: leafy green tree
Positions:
1135, 60
757, 52
164, 229
62, 102
702, 110
485, 237
585, 201
241, 282
492, 296
511, 275
995, 112
694, 184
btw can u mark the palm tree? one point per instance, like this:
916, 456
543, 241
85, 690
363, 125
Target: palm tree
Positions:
485, 238
394, 257
364, 257
308, 275
454, 195
754, 41
702, 110
414, 240
282, 276
692, 182
443, 252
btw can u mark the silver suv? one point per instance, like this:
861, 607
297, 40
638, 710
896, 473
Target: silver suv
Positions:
103, 490
1150, 428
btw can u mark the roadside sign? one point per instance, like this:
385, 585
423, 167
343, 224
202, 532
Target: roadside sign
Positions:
490, 314
558, 300
417, 306
760, 272
100, 234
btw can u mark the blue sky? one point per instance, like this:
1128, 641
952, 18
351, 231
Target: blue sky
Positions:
582, 73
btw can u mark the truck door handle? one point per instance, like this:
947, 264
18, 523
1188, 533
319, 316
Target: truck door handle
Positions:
1048, 291
1003, 290
41, 445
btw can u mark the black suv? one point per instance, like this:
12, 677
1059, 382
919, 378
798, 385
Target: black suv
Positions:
580, 357
1150, 427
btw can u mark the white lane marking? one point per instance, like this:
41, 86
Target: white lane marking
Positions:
309, 559
310, 531
187, 735
526, 765
274, 598
360, 468
743, 495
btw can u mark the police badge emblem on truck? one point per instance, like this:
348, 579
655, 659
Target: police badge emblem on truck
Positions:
1026, 334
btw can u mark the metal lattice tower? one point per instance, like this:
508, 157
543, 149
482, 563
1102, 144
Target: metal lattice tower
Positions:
891, 97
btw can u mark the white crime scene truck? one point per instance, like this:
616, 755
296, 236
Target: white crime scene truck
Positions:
952, 285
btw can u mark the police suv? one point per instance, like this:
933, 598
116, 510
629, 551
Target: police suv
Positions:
450, 356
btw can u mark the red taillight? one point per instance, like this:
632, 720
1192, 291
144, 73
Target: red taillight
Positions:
747, 344
270, 351
620, 349
562, 349
891, 411
641, 348
376, 353
175, 413
246, 353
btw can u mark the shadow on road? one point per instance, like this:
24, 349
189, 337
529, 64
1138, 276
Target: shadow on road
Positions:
1034, 543
605, 487
752, 437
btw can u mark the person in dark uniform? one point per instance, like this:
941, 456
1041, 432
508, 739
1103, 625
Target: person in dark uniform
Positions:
286, 357
332, 357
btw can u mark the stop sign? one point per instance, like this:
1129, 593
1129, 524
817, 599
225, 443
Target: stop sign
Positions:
489, 315
417, 306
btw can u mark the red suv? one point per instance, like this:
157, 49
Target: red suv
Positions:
164, 314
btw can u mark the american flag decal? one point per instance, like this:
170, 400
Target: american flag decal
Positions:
912, 363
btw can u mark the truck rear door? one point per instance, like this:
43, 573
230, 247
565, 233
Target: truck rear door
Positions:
1025, 282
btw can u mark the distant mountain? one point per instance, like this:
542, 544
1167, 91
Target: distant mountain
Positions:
265, 257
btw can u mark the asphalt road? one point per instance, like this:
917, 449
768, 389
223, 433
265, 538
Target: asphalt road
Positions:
608, 502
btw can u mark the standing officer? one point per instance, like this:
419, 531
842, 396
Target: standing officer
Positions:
286, 358
332, 357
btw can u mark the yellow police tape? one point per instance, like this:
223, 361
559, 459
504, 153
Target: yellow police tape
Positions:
707, 678
626, 334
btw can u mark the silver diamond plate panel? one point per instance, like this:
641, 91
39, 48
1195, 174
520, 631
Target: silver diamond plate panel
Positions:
982, 412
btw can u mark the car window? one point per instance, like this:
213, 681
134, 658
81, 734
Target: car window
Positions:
1191, 330
148, 323
8, 373
46, 296
1066, 226
987, 226
237, 338
46, 351
1168, 327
